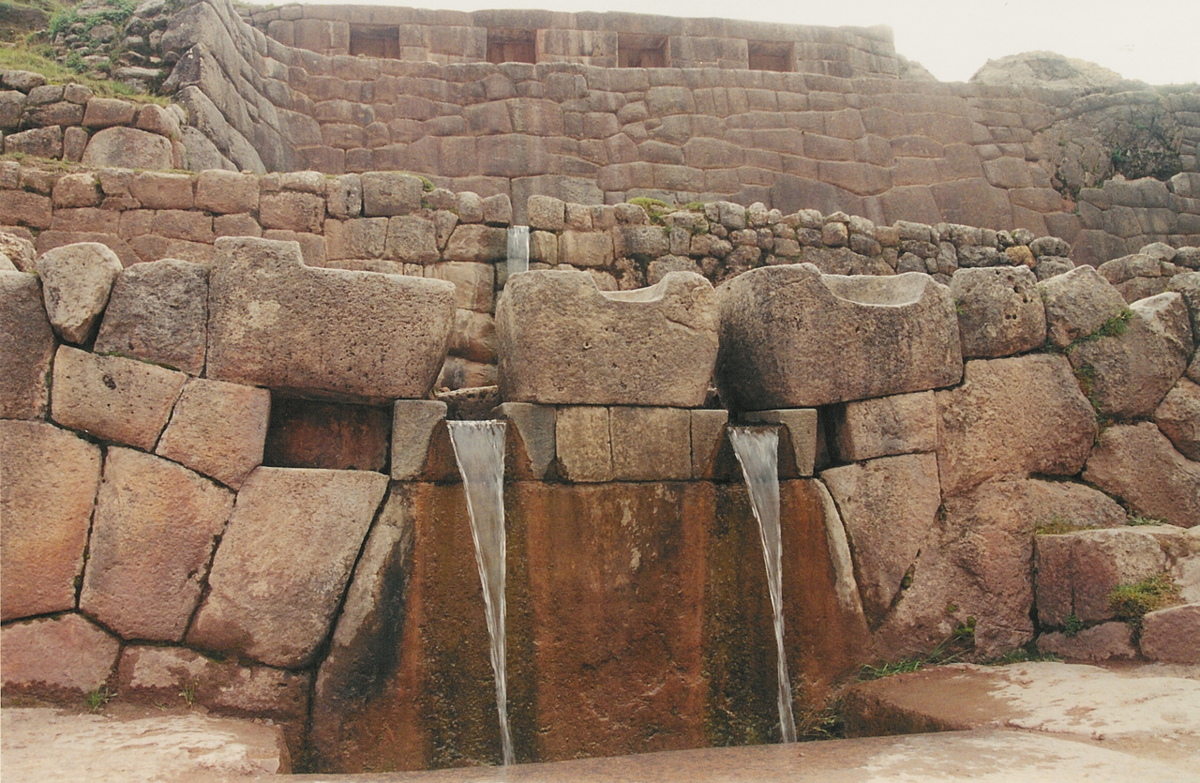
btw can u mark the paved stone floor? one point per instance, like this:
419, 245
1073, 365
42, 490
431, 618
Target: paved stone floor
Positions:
1024, 722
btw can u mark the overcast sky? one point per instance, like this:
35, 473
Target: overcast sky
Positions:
1155, 41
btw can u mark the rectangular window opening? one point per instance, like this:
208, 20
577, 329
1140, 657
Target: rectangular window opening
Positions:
375, 41
511, 46
771, 56
641, 51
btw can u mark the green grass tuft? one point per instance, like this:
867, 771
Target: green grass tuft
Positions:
1132, 602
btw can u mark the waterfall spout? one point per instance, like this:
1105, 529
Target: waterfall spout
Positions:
757, 451
518, 249
479, 451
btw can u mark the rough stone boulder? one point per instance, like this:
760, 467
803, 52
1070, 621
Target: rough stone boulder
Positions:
1138, 464
218, 429
1077, 304
1172, 634
57, 656
564, 341
27, 347
157, 313
128, 148
1047, 69
48, 481
152, 539
988, 428
999, 311
1075, 572
76, 282
977, 565
1126, 374
360, 335
1179, 418
794, 338
284, 561
900, 424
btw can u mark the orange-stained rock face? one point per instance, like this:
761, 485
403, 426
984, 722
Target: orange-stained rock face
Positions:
638, 620
335, 436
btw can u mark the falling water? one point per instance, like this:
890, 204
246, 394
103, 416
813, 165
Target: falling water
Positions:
479, 451
518, 249
756, 450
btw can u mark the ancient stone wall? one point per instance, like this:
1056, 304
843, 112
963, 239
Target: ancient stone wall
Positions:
886, 149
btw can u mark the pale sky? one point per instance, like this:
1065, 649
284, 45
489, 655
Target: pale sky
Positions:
1155, 41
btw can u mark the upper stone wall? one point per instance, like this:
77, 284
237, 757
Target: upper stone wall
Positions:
883, 148
604, 40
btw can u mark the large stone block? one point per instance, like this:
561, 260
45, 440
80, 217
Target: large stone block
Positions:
884, 426
1172, 635
48, 481
27, 345
152, 539
988, 429
361, 335
387, 193
889, 507
128, 148
57, 656
977, 565
113, 398
563, 341
1076, 572
330, 435
158, 313
478, 243
284, 562
1179, 418
1098, 643
794, 338
292, 211
218, 429
1077, 304
1137, 463
583, 443
226, 192
76, 282
411, 240
999, 311
650, 444
1127, 374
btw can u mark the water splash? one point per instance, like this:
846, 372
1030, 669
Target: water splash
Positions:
518, 249
757, 451
479, 451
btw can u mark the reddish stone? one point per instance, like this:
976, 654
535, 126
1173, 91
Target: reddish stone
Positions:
48, 480
62, 657
313, 434
27, 345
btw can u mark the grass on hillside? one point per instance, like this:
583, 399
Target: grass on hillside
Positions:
20, 57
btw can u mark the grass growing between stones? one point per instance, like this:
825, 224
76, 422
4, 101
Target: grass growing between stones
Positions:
97, 699
1132, 602
19, 57
1056, 524
1138, 521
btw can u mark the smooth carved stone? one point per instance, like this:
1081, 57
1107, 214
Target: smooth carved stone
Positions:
1179, 418
794, 338
113, 398
1127, 375
799, 429
1172, 635
218, 429
76, 282
650, 444
284, 561
999, 311
1075, 572
27, 345
330, 435
1077, 304
56, 656
890, 507
583, 445
48, 481
988, 429
708, 436
977, 564
358, 335
1138, 464
153, 536
529, 439
563, 341
884, 426
158, 313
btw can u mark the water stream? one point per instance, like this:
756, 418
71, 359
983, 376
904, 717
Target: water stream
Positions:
479, 451
518, 249
757, 451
